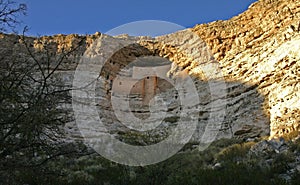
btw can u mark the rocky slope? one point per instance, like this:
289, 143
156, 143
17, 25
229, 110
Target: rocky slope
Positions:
249, 88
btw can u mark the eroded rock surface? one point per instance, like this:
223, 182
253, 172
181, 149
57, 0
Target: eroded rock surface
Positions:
261, 46
251, 62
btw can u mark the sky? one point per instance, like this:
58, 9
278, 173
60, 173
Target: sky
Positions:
90, 16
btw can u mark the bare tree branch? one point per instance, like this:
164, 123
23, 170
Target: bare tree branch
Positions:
9, 14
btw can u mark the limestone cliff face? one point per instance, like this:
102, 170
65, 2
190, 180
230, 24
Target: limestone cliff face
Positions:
261, 46
256, 53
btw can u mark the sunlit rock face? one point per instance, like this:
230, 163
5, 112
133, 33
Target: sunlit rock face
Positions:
245, 72
261, 47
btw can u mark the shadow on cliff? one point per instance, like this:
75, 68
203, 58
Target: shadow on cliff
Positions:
244, 114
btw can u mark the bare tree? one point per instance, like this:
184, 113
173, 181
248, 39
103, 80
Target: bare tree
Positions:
10, 12
32, 99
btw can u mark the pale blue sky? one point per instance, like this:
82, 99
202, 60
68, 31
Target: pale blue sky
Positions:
89, 16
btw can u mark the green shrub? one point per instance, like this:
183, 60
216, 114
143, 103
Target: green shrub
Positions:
235, 152
186, 167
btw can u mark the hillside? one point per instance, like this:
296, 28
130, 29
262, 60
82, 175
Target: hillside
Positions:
224, 94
